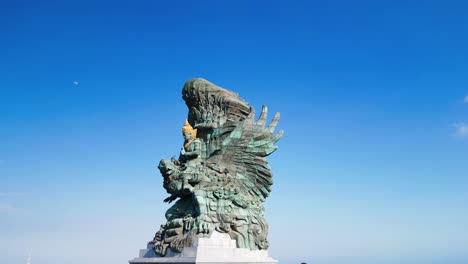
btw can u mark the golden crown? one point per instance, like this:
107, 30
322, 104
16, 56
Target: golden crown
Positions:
187, 128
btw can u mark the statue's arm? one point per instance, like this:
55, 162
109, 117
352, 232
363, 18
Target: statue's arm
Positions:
196, 150
170, 198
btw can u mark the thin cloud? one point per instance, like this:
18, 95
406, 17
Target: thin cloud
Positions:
461, 129
11, 209
465, 100
11, 194
8, 209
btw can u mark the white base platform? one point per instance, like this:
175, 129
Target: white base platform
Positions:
217, 249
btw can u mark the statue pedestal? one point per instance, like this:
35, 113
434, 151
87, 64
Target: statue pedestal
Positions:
217, 249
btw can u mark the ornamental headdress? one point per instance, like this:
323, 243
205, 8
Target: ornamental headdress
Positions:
187, 128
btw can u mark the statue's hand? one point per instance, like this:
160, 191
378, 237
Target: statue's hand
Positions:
204, 228
203, 225
160, 249
170, 199
188, 222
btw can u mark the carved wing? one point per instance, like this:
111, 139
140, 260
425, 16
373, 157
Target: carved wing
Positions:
247, 146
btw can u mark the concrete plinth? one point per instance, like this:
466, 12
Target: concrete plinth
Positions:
217, 249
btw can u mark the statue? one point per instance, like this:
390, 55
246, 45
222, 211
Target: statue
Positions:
221, 178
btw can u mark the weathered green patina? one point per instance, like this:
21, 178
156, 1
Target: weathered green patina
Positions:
221, 177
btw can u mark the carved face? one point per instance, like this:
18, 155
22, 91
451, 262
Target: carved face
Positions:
174, 187
187, 136
168, 172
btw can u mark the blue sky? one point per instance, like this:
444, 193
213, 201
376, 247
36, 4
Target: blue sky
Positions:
372, 166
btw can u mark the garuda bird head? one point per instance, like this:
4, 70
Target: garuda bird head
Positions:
211, 106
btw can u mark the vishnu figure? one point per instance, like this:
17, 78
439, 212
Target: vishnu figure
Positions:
189, 155
192, 145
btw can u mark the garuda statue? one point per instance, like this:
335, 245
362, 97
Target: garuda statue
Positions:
221, 177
